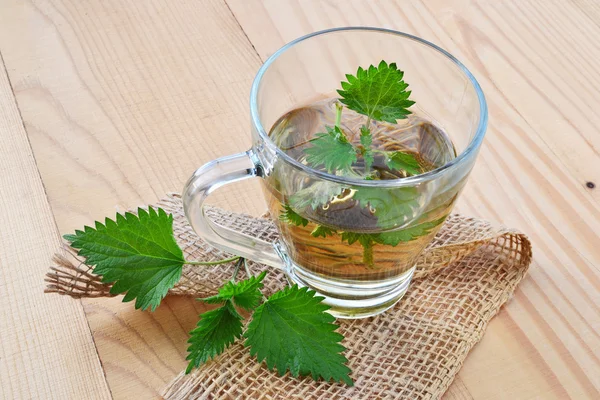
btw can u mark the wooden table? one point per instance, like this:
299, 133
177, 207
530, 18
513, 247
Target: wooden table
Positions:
105, 105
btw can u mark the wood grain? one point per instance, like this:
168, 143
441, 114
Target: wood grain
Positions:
44, 340
121, 101
540, 150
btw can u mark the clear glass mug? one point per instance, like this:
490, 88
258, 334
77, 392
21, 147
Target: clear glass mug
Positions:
358, 276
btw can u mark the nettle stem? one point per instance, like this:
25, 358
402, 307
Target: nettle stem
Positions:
338, 114
238, 265
368, 254
224, 261
366, 140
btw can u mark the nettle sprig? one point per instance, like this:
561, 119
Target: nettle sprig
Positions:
380, 94
290, 330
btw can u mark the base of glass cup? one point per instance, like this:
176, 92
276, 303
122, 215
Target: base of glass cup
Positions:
352, 299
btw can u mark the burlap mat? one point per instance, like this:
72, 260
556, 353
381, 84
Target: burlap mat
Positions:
412, 351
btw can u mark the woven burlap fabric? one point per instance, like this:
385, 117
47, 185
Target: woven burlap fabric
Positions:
412, 351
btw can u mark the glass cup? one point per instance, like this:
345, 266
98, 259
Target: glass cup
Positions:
361, 269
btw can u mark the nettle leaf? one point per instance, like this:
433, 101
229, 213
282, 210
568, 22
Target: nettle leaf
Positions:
219, 328
291, 217
245, 294
331, 150
399, 160
391, 206
322, 231
291, 331
394, 238
216, 330
316, 195
137, 253
365, 239
377, 92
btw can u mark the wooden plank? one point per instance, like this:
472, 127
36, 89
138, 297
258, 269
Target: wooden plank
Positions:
121, 101
530, 174
47, 350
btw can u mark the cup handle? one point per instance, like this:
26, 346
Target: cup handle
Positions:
207, 179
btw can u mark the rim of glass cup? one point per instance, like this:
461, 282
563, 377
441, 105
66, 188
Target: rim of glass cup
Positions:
473, 145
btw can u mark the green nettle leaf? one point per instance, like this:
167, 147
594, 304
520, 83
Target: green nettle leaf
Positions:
322, 231
216, 330
331, 150
399, 160
245, 294
393, 238
291, 330
291, 217
391, 206
137, 253
317, 194
365, 239
377, 92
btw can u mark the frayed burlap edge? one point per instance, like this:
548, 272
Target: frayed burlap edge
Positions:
412, 351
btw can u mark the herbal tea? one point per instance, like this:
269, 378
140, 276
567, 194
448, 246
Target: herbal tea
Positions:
357, 233
358, 182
